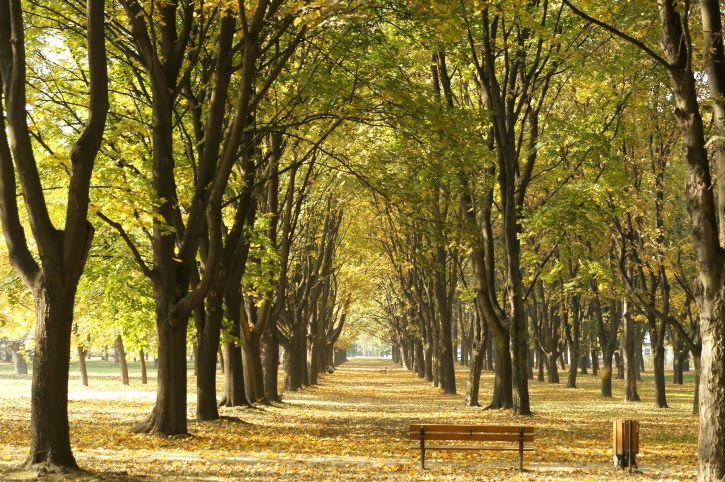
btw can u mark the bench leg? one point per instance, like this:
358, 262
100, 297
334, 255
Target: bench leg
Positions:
521, 449
422, 448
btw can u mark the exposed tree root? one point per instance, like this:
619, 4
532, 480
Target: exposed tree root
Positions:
49, 466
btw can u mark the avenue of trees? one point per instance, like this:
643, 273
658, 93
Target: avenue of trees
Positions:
252, 185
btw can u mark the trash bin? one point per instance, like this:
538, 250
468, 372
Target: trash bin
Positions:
626, 443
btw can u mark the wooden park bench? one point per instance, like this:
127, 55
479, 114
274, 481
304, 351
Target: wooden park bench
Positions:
500, 437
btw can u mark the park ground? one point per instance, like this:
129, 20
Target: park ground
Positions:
353, 427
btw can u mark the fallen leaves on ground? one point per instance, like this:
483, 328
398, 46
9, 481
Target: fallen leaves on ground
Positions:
353, 426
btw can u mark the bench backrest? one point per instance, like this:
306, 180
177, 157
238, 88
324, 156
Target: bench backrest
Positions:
491, 433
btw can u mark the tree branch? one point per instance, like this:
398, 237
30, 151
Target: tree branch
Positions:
620, 34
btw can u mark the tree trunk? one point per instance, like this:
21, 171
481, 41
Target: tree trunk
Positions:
294, 362
540, 365
82, 365
144, 375
629, 355
428, 349
606, 374
253, 377
270, 363
206, 360
552, 369
419, 359
340, 357
311, 360
711, 440
696, 401
234, 391
21, 366
619, 361
50, 446
479, 342
680, 354
595, 362
122, 359
658, 361
502, 382
169, 414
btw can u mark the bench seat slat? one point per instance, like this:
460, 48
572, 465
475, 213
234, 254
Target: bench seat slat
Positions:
473, 447
435, 427
483, 437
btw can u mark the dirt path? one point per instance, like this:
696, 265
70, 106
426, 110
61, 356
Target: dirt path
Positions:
353, 426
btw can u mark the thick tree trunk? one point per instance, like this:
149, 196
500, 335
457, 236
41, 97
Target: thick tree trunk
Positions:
340, 357
502, 388
270, 363
234, 392
552, 369
711, 440
253, 376
419, 359
489, 354
474, 376
517, 329
206, 359
20, 365
479, 342
122, 359
606, 374
50, 447
82, 365
445, 320
658, 361
679, 356
407, 357
294, 363
619, 361
169, 414
583, 364
311, 359
574, 341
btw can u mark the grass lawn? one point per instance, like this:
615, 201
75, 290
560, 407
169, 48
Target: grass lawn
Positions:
353, 426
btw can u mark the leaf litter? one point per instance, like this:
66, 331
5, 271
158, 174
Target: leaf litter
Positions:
353, 426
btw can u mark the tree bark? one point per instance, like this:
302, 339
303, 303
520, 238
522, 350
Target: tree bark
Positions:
234, 390
144, 375
49, 429
270, 363
206, 363
82, 365
18, 357
629, 355
168, 416
294, 362
122, 359
479, 342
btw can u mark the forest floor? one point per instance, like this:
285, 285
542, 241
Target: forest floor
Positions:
353, 426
